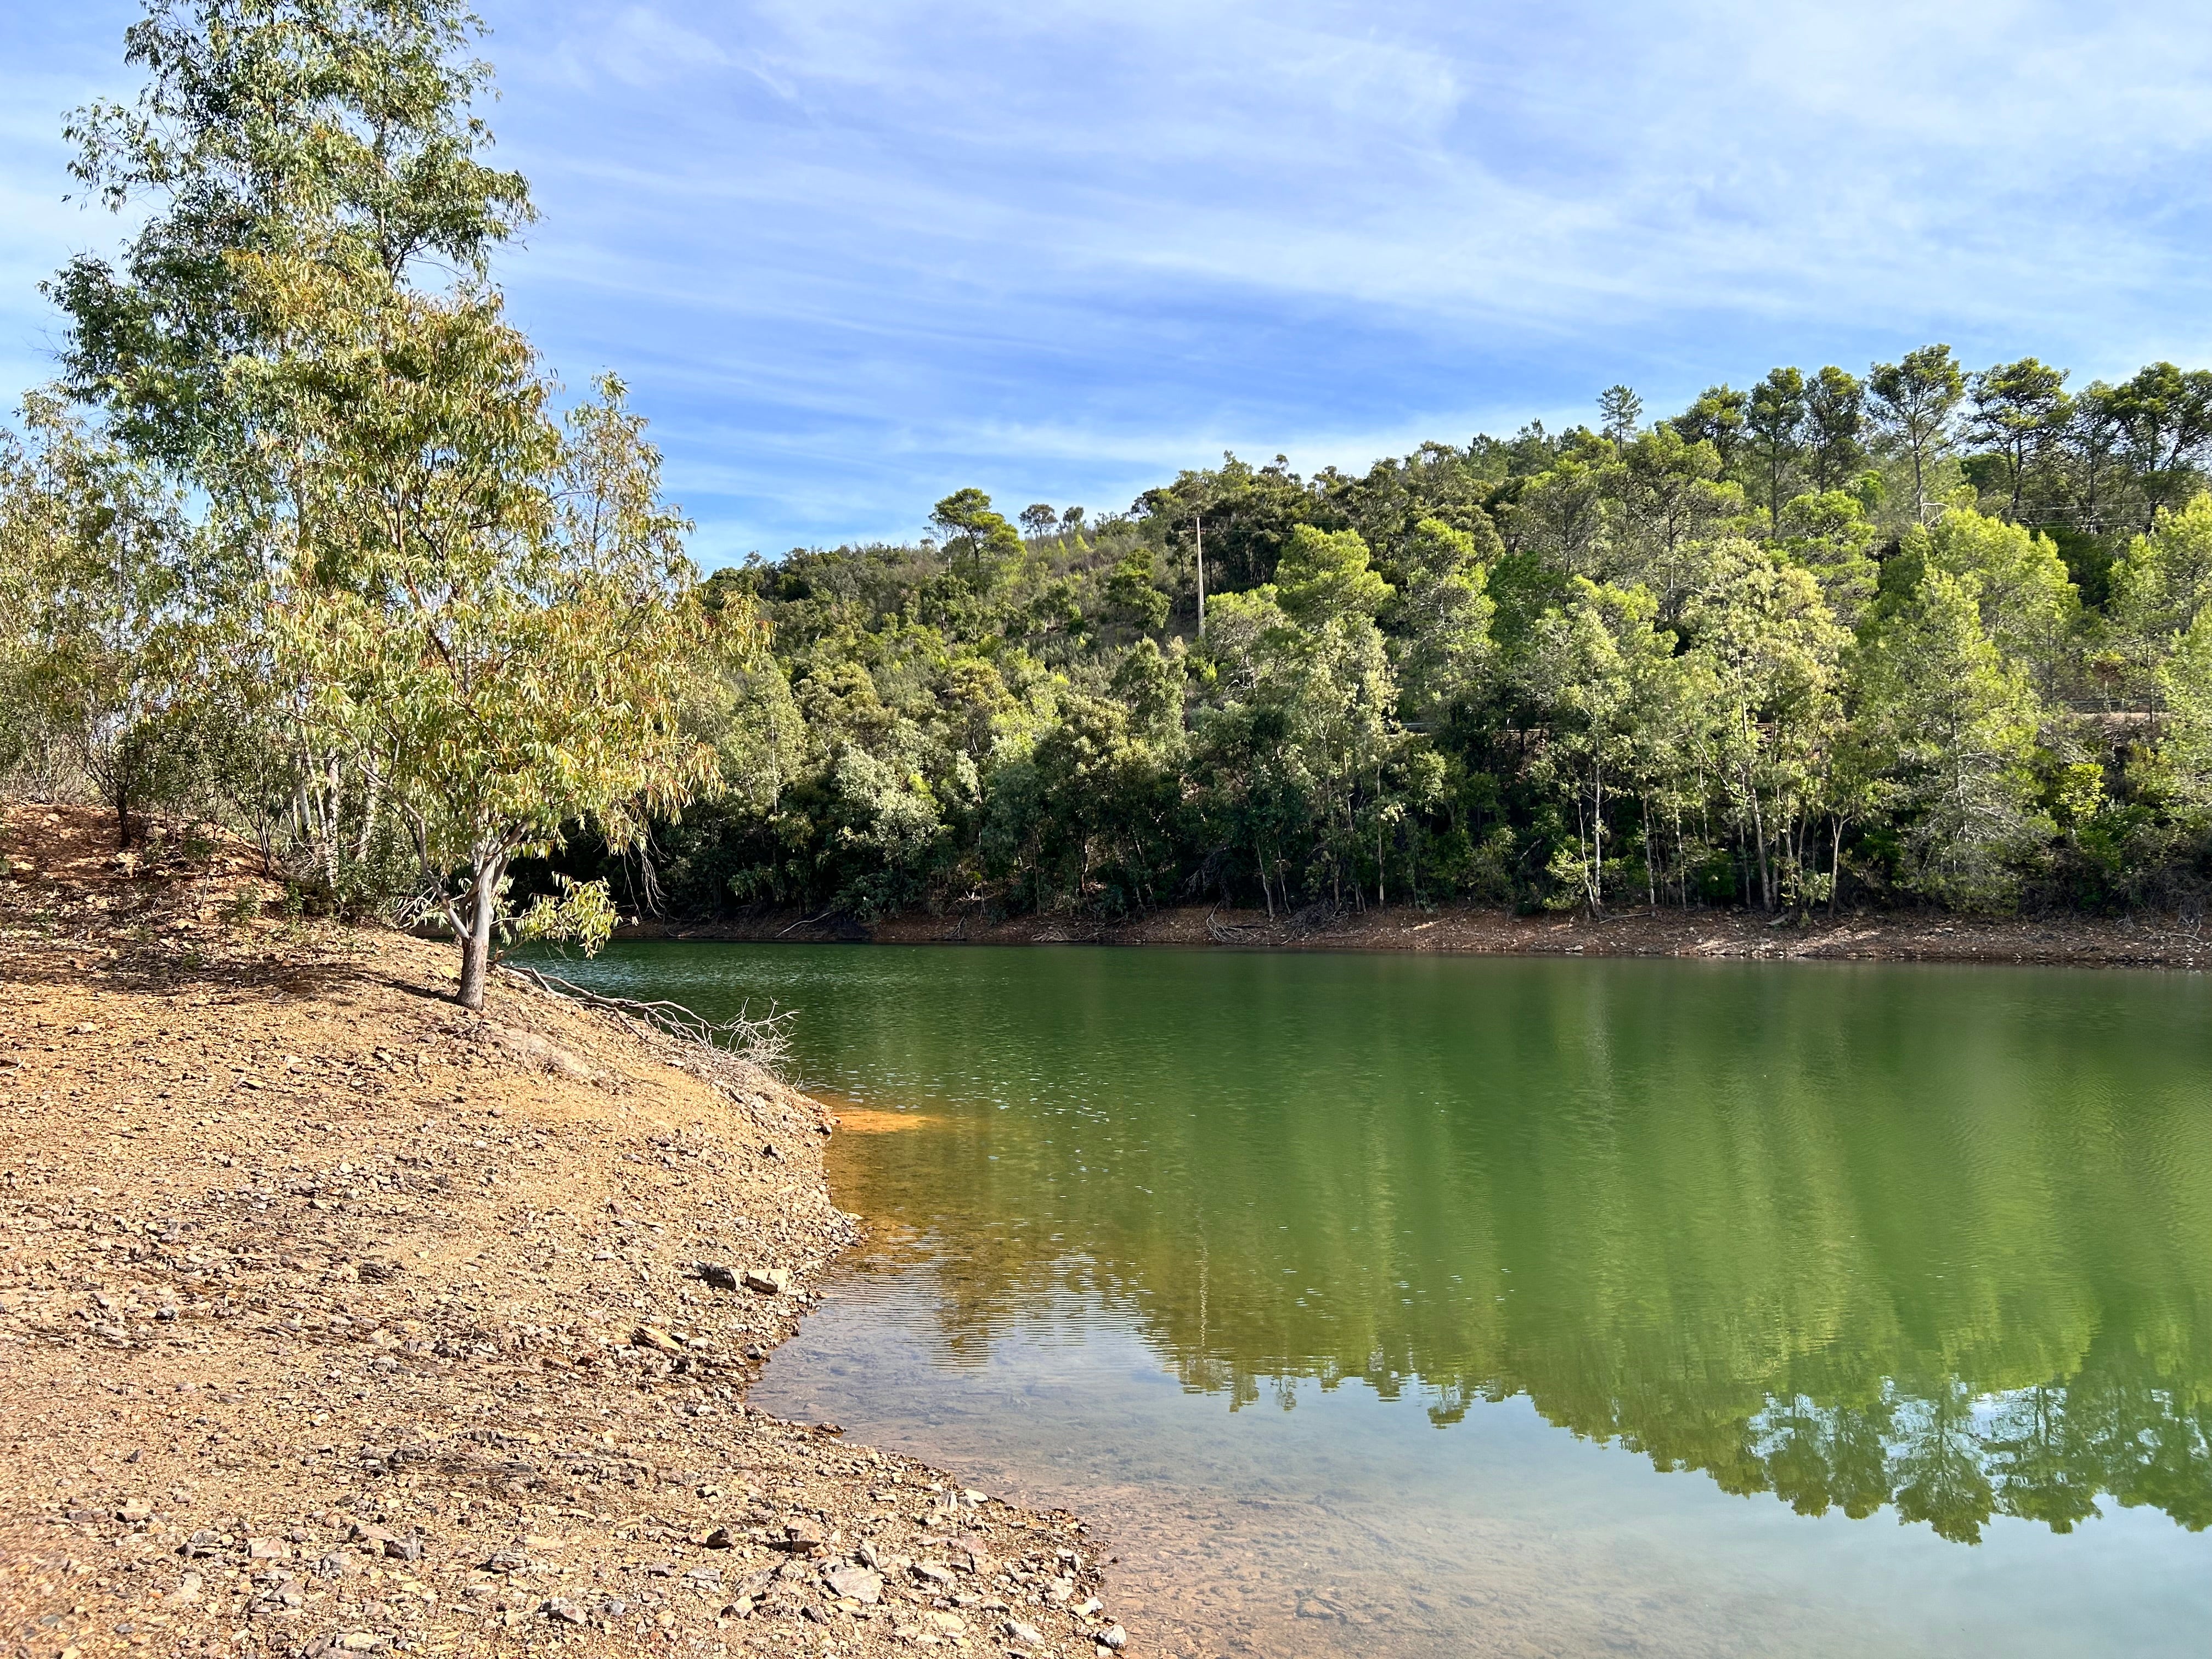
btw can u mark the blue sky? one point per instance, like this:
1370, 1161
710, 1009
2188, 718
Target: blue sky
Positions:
852, 254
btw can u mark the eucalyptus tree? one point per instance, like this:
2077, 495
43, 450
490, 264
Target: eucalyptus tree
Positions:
1344, 730
269, 132
1439, 620
1830, 534
486, 616
294, 163
108, 664
493, 617
1667, 500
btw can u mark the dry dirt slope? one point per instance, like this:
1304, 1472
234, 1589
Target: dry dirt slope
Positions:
332, 1320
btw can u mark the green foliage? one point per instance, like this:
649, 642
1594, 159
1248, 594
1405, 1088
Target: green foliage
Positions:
326, 560
335, 130
508, 651
580, 912
1954, 725
1914, 401
111, 669
447, 616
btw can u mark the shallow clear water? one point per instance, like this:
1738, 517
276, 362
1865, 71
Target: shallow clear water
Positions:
1380, 1305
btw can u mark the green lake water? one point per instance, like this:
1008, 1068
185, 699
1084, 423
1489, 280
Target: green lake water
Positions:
1384, 1305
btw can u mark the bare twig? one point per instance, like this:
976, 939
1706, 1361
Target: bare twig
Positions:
764, 1042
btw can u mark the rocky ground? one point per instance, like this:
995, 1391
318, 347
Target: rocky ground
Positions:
333, 1319
2149, 941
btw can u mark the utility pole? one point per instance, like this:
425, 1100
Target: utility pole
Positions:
1197, 525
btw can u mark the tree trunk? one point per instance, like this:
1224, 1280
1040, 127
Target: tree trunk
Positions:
473, 923
1198, 531
1650, 874
1597, 839
1835, 868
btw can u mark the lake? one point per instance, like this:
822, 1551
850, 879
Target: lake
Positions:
1385, 1305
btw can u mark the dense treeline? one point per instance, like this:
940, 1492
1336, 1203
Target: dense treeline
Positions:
302, 542
1920, 635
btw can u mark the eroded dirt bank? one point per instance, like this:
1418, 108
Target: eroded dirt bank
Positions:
2146, 941
333, 1319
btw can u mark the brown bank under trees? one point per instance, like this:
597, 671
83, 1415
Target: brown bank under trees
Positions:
334, 1319
2143, 941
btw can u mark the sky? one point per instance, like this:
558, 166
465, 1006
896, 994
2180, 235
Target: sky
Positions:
851, 255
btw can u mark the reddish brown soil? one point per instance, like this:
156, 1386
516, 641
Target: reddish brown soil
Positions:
1900, 936
334, 1320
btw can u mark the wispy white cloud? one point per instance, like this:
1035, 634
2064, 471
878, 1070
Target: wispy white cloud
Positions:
855, 252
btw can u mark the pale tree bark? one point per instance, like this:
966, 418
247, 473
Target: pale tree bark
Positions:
472, 917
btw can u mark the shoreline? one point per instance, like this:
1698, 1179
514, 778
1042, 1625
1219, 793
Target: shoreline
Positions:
1718, 935
335, 1321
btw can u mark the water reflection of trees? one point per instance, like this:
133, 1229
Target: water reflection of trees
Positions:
1940, 1244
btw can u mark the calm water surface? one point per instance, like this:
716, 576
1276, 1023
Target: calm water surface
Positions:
1378, 1305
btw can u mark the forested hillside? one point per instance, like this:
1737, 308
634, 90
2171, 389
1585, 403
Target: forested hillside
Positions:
1924, 634
307, 541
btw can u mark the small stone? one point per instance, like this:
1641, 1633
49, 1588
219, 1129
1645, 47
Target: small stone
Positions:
800, 1536
267, 1549
1027, 1635
507, 1561
652, 1336
360, 1641
409, 1548
135, 1509
716, 1276
717, 1538
186, 1592
855, 1583
561, 1608
1113, 1639
768, 1281
930, 1573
